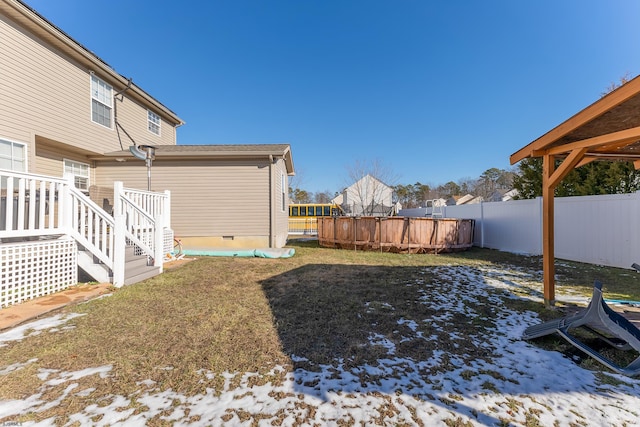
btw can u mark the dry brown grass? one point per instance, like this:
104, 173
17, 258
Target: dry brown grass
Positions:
248, 315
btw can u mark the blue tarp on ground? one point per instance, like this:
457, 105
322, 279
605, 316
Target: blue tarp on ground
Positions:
256, 253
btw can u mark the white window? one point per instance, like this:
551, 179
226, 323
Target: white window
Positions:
101, 102
80, 172
13, 156
153, 122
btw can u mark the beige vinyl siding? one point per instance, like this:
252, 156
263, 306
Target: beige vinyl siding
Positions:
208, 197
133, 118
49, 160
282, 216
46, 94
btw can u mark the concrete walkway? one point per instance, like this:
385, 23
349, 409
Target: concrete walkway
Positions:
16, 314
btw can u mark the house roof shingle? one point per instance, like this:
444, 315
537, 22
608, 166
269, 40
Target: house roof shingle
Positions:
214, 151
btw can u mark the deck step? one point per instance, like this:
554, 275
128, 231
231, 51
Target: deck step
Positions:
136, 268
139, 274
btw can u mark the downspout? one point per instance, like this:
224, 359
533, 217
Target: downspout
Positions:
272, 204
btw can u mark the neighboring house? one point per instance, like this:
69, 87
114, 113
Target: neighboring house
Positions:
367, 197
467, 199
502, 195
64, 111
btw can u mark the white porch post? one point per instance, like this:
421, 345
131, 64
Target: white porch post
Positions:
67, 205
166, 213
158, 247
119, 242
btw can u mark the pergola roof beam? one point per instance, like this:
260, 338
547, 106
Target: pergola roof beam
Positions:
620, 139
566, 166
603, 105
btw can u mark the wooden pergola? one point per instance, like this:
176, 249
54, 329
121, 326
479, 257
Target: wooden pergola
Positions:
608, 129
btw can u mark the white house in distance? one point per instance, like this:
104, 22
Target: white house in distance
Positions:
367, 197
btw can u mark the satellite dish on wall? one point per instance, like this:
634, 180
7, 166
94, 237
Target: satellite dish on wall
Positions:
143, 152
146, 153
137, 153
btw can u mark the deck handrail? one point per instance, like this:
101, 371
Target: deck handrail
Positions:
144, 219
92, 227
37, 205
22, 215
153, 203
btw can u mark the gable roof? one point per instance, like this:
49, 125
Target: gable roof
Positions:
31, 20
368, 178
226, 151
607, 129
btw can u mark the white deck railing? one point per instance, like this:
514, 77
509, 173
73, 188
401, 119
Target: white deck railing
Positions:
92, 227
155, 205
146, 215
30, 205
37, 205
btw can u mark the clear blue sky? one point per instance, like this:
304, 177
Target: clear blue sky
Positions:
436, 91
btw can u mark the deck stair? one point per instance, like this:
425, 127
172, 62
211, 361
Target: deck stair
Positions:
49, 229
136, 267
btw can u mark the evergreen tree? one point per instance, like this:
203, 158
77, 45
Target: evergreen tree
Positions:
599, 177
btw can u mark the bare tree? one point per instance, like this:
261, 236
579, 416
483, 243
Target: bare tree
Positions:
370, 191
615, 85
295, 187
323, 196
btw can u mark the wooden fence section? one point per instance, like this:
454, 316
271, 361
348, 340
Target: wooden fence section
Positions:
396, 234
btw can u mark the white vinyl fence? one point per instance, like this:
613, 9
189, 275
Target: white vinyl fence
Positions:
602, 230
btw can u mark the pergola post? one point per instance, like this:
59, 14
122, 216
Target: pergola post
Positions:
548, 267
608, 129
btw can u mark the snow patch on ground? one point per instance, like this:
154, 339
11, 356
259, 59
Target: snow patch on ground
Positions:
521, 381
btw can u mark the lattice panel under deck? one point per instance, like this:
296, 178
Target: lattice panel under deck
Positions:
167, 241
33, 269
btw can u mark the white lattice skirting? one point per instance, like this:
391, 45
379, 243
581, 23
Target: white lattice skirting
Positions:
167, 243
33, 269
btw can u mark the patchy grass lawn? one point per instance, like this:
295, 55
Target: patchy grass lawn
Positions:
197, 330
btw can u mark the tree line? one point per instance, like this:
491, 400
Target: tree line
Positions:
600, 177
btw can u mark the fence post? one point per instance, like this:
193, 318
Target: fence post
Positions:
541, 225
481, 225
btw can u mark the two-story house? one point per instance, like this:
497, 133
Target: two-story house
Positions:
65, 112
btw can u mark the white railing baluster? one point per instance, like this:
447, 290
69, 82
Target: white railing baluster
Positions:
38, 205
22, 202
148, 216
42, 208
54, 207
9, 205
33, 204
